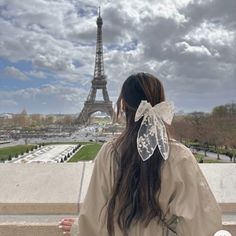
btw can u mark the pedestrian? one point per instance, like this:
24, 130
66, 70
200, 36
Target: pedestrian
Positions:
144, 183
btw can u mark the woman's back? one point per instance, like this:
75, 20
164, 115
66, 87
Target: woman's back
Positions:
184, 193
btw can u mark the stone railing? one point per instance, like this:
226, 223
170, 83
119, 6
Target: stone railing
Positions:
34, 197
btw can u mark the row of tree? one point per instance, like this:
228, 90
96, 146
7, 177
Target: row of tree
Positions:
35, 120
217, 128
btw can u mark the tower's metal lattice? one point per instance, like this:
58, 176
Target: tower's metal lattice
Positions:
99, 82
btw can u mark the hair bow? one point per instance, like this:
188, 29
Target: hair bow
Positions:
152, 131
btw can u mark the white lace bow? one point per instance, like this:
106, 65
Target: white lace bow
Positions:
152, 131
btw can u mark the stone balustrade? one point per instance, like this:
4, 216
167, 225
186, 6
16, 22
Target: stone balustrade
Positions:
34, 197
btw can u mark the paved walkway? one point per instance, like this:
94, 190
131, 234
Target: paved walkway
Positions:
47, 154
213, 156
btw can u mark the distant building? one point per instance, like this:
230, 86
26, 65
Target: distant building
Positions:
6, 116
24, 112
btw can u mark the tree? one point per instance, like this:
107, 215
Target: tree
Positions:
36, 119
9, 158
217, 128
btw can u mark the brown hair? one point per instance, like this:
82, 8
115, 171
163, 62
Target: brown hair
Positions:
137, 183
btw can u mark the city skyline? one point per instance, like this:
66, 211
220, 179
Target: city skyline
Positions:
47, 51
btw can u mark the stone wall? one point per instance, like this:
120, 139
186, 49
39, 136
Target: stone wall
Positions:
34, 197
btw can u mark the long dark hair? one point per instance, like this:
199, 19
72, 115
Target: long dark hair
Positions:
137, 183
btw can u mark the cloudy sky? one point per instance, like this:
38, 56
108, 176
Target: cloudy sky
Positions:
47, 51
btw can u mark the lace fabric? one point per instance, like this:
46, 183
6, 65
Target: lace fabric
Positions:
152, 131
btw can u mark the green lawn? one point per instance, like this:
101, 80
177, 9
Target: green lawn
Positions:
87, 152
201, 156
73, 142
7, 151
214, 161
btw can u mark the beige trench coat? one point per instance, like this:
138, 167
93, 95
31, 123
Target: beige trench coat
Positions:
184, 193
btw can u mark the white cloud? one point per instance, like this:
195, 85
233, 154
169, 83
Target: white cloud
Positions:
15, 73
198, 51
49, 99
36, 74
214, 34
181, 41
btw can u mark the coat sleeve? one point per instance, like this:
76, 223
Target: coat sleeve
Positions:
91, 218
193, 202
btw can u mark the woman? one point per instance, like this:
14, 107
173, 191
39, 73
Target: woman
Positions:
144, 183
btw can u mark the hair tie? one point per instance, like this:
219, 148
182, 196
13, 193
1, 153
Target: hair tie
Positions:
152, 131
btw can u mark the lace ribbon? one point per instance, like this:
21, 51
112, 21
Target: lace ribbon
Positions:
152, 131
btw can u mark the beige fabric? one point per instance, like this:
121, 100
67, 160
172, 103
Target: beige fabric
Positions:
184, 193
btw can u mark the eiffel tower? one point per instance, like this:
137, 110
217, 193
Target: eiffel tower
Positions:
99, 82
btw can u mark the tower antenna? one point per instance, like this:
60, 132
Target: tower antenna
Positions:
99, 8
